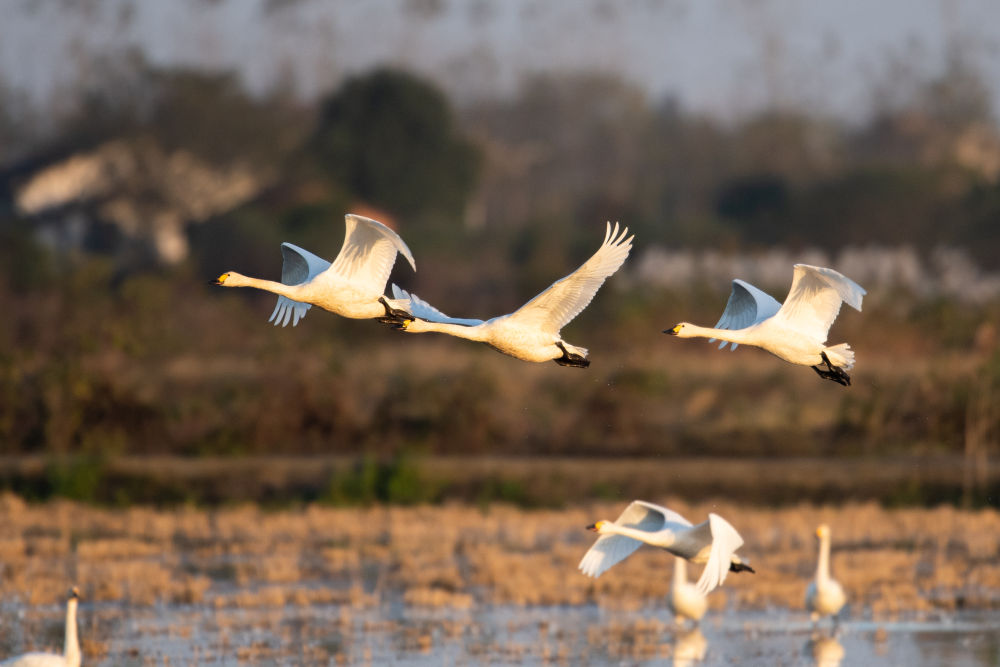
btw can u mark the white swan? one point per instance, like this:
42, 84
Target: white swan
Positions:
795, 331
686, 601
71, 651
712, 542
352, 286
531, 333
824, 596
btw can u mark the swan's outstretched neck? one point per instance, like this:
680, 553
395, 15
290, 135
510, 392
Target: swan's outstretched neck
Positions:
458, 330
72, 647
656, 539
233, 279
738, 336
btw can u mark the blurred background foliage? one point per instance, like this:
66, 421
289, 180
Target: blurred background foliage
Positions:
116, 211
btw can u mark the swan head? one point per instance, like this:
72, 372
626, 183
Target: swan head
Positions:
74, 593
229, 279
680, 330
823, 531
598, 526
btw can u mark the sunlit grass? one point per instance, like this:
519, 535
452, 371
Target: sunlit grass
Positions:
889, 561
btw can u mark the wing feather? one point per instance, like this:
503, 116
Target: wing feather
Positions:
564, 299
747, 305
725, 542
298, 266
814, 299
425, 311
634, 516
607, 551
368, 253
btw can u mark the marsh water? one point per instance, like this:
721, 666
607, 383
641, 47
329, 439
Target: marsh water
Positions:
394, 633
461, 585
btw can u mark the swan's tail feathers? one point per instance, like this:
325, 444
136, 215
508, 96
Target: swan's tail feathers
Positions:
399, 304
841, 356
397, 312
572, 355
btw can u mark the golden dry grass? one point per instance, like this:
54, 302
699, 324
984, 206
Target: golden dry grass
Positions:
319, 585
890, 561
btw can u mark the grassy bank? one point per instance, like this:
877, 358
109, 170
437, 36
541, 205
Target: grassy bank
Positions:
523, 481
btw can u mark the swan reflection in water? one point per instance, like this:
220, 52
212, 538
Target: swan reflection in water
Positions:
825, 650
689, 647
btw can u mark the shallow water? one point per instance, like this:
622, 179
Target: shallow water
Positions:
457, 585
392, 632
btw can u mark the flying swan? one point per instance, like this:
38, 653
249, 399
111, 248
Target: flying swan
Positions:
713, 542
531, 333
824, 596
795, 331
352, 286
71, 652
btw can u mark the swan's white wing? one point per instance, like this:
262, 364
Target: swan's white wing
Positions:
425, 311
634, 515
814, 300
747, 305
607, 551
368, 253
725, 542
565, 298
611, 549
298, 266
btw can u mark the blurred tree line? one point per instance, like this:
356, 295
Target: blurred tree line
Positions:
497, 199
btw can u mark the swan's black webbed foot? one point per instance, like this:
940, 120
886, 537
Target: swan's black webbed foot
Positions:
831, 372
570, 358
741, 567
394, 317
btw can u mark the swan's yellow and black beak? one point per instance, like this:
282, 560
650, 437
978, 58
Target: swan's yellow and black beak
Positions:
672, 332
595, 526
74, 593
220, 280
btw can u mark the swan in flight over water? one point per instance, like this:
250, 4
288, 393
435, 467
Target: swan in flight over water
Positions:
796, 330
713, 542
71, 652
531, 333
352, 286
824, 596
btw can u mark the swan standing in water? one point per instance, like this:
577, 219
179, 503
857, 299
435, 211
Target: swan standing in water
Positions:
686, 601
71, 651
352, 286
713, 542
824, 596
795, 331
531, 333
